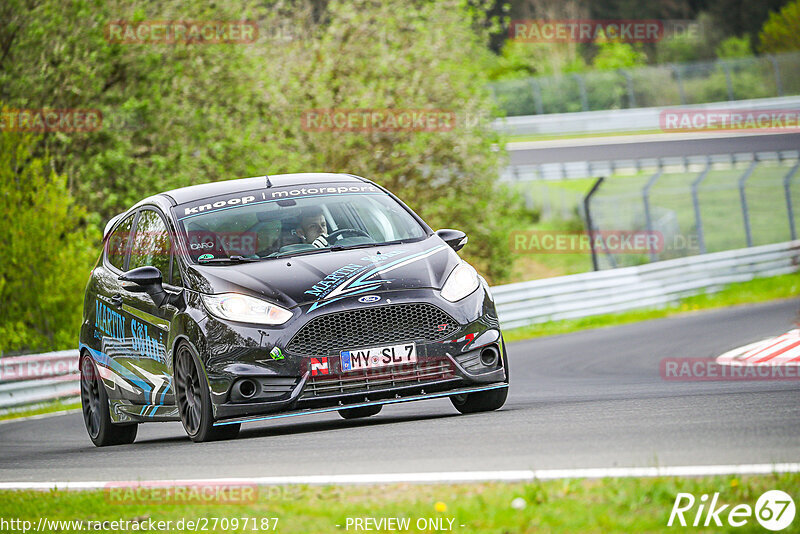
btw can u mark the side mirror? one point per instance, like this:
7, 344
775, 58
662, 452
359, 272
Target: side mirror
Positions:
455, 238
148, 280
143, 276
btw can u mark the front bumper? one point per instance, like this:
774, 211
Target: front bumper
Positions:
287, 383
397, 399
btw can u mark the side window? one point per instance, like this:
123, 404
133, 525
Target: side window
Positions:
175, 278
151, 245
117, 244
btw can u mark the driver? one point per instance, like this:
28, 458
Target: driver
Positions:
313, 229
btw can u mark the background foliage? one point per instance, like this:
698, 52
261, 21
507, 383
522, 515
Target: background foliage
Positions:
175, 115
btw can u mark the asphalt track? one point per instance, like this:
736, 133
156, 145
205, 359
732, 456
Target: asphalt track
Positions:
666, 145
585, 400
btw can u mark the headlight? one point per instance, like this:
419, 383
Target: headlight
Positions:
245, 309
461, 282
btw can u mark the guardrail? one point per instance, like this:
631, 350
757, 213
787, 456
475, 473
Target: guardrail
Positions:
40, 377
624, 120
628, 288
569, 170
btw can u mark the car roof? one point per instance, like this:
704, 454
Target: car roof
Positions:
201, 191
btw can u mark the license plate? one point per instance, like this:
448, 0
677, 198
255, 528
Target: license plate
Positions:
353, 360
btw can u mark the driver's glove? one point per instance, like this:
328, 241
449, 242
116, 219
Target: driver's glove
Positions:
320, 242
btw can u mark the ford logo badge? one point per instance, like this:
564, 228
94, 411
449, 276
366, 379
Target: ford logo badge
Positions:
369, 298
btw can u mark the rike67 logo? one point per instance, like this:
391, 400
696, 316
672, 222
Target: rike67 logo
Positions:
774, 510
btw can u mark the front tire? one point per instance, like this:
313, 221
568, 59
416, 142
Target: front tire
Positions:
480, 401
96, 414
194, 400
362, 411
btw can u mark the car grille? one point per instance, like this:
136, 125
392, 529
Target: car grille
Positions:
370, 326
368, 380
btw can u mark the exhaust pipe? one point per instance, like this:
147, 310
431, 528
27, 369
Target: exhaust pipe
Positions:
490, 356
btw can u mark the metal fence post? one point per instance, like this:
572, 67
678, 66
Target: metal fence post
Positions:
679, 79
743, 197
701, 240
589, 224
582, 87
537, 96
787, 184
629, 83
777, 69
728, 80
647, 216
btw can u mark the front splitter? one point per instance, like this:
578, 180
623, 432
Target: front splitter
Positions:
312, 411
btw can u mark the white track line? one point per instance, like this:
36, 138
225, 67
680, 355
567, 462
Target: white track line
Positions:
431, 478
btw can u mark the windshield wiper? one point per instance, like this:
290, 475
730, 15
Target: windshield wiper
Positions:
350, 247
366, 245
229, 259
291, 253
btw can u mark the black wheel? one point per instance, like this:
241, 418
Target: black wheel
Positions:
194, 400
484, 401
363, 411
96, 414
480, 401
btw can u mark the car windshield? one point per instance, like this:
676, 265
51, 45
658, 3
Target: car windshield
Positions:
257, 225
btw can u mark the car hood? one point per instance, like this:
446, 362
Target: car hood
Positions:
326, 277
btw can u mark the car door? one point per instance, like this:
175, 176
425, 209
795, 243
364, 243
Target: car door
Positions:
147, 352
112, 323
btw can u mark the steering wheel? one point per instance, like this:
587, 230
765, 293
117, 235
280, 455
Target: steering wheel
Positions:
338, 234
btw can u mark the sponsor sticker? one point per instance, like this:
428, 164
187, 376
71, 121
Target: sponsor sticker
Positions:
319, 366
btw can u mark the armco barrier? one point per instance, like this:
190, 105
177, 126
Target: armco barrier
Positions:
652, 285
624, 120
39, 377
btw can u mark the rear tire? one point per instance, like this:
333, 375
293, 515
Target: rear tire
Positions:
194, 400
362, 411
480, 401
96, 414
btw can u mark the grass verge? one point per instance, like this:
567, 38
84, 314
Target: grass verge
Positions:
578, 505
552, 137
758, 290
40, 409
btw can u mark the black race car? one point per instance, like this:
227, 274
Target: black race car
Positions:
252, 299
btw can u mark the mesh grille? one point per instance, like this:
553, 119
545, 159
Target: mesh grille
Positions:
364, 327
368, 380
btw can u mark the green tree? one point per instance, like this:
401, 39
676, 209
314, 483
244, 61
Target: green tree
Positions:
175, 115
46, 253
734, 47
781, 32
613, 55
